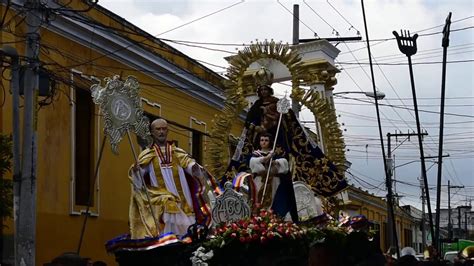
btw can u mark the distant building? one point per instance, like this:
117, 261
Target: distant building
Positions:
417, 227
462, 221
357, 201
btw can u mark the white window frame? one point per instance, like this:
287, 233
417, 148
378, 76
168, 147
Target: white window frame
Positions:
77, 210
193, 120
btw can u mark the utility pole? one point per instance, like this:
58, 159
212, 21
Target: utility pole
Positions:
392, 233
459, 220
295, 106
465, 225
392, 230
423, 221
450, 226
25, 238
450, 231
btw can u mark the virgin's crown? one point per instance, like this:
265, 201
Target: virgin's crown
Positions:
263, 77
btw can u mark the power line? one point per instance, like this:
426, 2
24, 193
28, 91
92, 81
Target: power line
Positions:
351, 26
404, 64
293, 15
371, 118
139, 42
384, 40
334, 31
402, 107
424, 52
422, 105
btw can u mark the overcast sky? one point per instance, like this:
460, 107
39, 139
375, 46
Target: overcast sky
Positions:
222, 25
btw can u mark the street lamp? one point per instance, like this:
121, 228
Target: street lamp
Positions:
379, 95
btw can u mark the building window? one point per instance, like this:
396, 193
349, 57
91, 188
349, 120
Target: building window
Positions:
198, 131
84, 147
197, 146
407, 235
375, 227
85, 138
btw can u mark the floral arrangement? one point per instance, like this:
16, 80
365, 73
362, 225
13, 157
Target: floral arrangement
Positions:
257, 229
264, 236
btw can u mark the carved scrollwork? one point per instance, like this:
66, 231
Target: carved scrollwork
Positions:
235, 101
120, 106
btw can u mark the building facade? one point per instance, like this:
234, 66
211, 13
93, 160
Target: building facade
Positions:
356, 201
78, 49
417, 227
462, 222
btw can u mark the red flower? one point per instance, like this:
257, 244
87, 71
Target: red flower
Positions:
270, 235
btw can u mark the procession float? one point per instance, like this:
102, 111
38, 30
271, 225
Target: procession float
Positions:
272, 215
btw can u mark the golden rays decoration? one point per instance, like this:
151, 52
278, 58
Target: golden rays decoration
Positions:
235, 102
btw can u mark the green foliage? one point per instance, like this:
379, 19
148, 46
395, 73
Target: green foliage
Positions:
6, 185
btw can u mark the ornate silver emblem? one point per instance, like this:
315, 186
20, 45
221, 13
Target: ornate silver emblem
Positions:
283, 105
230, 206
305, 201
120, 105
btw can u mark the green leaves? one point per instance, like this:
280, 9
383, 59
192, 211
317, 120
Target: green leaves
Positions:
6, 185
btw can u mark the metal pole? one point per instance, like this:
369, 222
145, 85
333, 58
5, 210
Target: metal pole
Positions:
450, 231
25, 241
89, 201
295, 106
377, 111
445, 44
296, 24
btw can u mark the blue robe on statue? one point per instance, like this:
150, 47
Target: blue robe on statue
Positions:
309, 164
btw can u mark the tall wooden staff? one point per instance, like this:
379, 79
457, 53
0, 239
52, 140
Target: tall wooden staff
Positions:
283, 105
407, 45
120, 106
445, 44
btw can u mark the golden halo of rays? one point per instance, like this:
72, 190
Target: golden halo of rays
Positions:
235, 102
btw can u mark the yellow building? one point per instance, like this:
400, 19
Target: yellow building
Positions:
356, 201
79, 49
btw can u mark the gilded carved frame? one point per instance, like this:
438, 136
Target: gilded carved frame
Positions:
235, 103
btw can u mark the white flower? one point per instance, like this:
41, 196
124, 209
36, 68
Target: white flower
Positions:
199, 257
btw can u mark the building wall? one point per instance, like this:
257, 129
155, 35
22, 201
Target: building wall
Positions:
59, 221
358, 201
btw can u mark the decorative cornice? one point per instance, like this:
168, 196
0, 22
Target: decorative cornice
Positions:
322, 48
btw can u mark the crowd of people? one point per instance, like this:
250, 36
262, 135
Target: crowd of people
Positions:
358, 251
